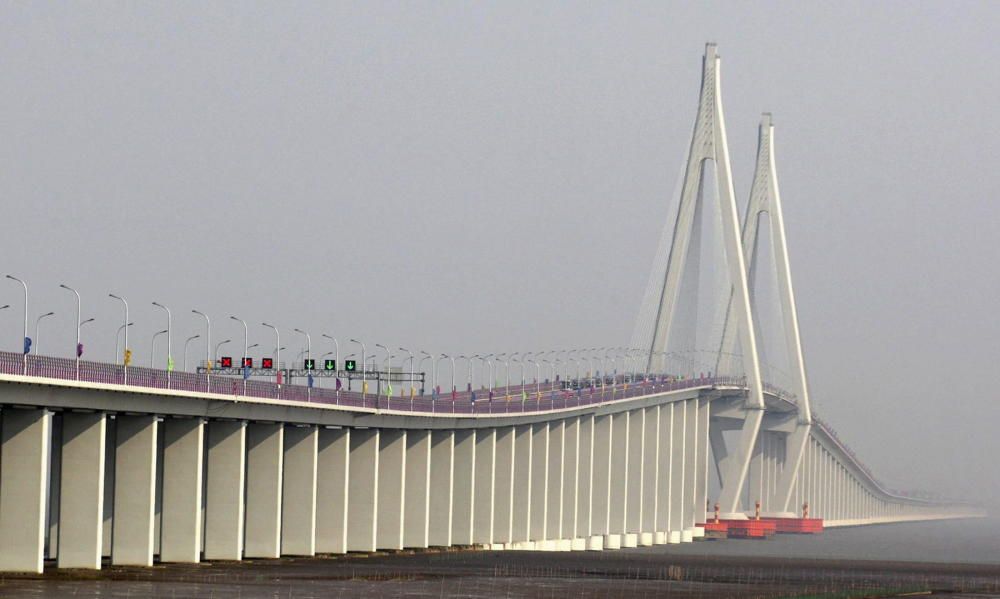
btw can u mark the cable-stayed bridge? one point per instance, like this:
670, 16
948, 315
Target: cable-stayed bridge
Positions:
692, 429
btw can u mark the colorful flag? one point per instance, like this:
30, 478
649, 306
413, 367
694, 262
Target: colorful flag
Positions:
170, 363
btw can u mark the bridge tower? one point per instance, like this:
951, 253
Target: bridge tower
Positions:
709, 147
791, 430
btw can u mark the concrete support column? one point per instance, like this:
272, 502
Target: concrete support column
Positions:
135, 490
618, 502
677, 479
298, 490
571, 484
485, 480
332, 483
650, 475
503, 487
755, 476
54, 486
81, 504
391, 489
636, 473
664, 468
224, 490
521, 534
442, 479
539, 485
24, 449
556, 539
701, 472
418, 489
362, 499
585, 536
265, 462
183, 458
110, 449
690, 469
462, 493
601, 482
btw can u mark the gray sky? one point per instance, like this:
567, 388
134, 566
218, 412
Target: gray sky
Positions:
466, 177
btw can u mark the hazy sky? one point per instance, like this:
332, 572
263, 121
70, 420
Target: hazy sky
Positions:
480, 177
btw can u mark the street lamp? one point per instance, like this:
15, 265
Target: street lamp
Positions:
167, 310
125, 328
411, 370
117, 335
217, 346
152, 346
538, 378
24, 339
37, 321
506, 366
488, 374
469, 369
420, 367
364, 379
77, 351
208, 339
277, 346
388, 367
447, 357
246, 336
309, 343
336, 347
185, 358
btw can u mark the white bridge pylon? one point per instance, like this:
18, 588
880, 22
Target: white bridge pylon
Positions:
709, 146
765, 202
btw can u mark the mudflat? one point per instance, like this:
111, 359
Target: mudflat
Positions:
650, 572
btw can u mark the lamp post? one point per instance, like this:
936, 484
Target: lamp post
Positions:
336, 357
185, 353
125, 343
468, 369
538, 376
364, 377
117, 335
447, 357
24, 338
152, 346
277, 351
37, 322
388, 367
309, 343
489, 383
520, 365
336, 348
208, 339
552, 369
411, 374
76, 350
506, 369
420, 367
246, 337
169, 358
217, 346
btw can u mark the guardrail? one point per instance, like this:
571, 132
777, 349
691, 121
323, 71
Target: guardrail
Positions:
532, 397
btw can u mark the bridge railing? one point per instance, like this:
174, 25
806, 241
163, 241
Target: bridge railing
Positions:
531, 397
